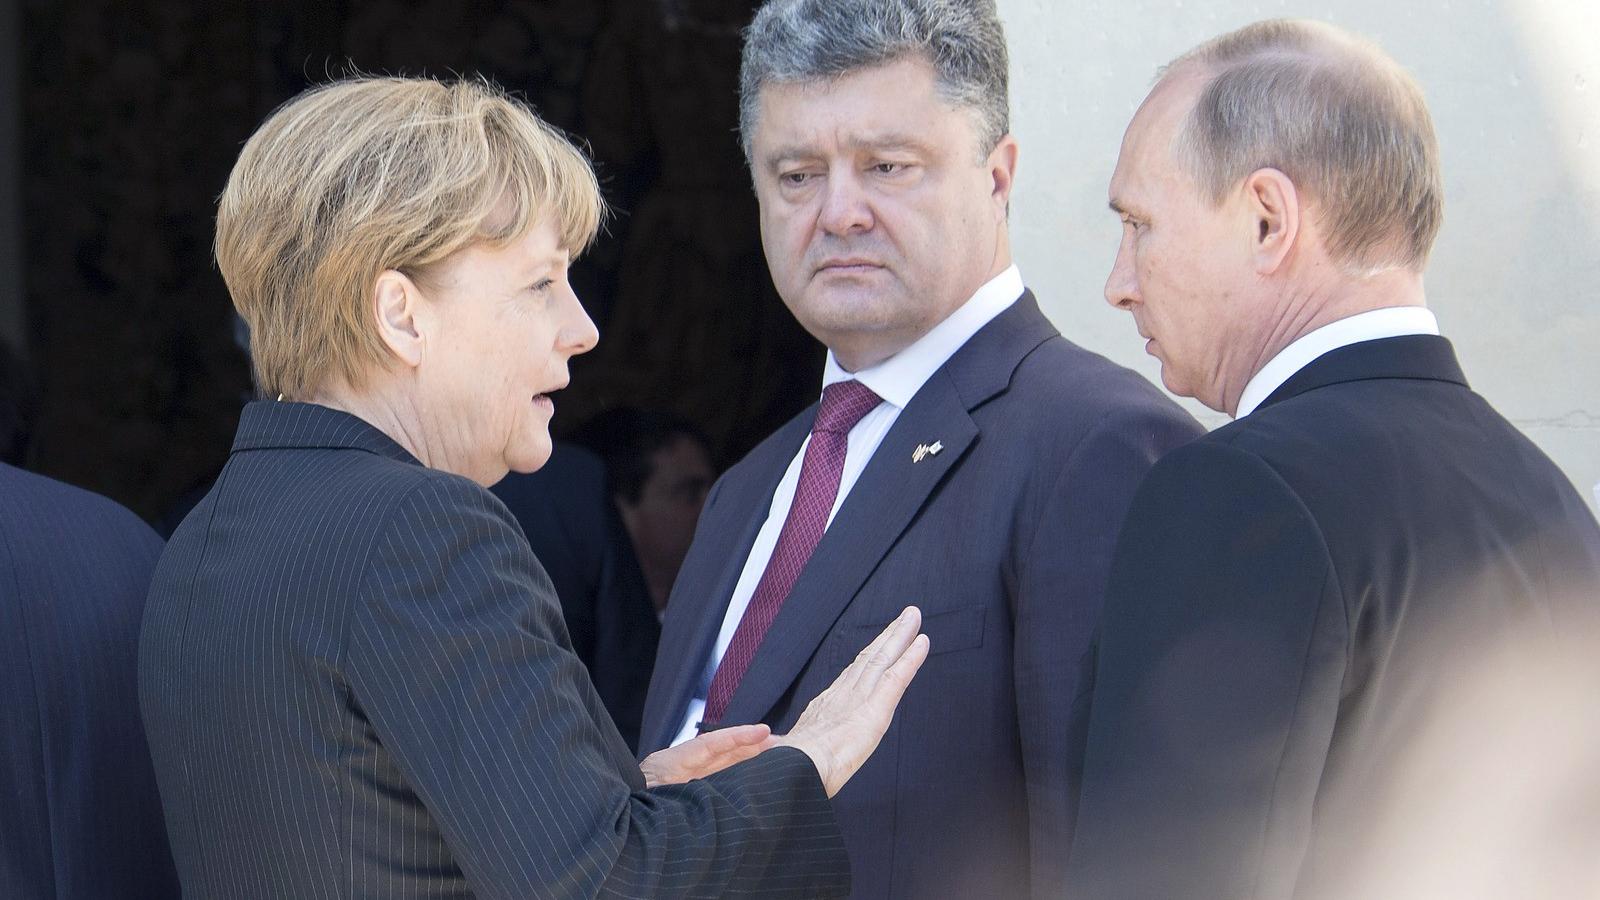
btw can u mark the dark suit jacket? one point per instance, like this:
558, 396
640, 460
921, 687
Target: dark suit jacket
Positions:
356, 682
1289, 596
1003, 539
577, 536
79, 815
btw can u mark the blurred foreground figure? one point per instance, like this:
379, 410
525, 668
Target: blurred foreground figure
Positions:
354, 673
1297, 598
79, 814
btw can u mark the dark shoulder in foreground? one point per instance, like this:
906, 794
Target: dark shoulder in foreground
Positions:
42, 519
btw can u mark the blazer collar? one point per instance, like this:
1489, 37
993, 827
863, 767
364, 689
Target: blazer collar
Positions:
269, 424
1415, 356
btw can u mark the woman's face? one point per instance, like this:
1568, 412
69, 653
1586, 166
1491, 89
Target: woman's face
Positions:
500, 324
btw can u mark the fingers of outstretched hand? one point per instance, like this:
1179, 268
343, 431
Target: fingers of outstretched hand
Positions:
716, 750
736, 737
708, 753
897, 677
885, 650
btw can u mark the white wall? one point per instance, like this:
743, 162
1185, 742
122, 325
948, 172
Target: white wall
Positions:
1514, 86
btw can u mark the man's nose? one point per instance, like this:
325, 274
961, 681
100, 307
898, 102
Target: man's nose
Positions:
1122, 285
845, 206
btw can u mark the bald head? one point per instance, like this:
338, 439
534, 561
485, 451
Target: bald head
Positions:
1335, 114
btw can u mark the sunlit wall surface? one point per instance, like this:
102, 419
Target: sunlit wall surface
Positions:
1514, 86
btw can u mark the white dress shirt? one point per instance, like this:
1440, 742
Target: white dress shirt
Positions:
1393, 321
896, 380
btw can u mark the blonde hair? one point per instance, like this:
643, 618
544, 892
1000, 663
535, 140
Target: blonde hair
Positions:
1335, 114
364, 175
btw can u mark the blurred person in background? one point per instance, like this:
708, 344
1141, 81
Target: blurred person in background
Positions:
658, 470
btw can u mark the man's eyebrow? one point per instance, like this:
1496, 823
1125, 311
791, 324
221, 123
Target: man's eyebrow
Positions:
1117, 207
779, 154
883, 141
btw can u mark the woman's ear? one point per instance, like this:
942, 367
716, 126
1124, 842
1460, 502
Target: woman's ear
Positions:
395, 307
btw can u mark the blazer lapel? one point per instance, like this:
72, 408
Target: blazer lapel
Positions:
885, 499
881, 504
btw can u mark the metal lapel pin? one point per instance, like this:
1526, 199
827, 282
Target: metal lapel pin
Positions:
924, 451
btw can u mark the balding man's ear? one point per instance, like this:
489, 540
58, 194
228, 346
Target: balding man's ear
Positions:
1274, 206
395, 308
1003, 169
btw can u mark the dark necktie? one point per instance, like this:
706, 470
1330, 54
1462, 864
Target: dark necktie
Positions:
843, 405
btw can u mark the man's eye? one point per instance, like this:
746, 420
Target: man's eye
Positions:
794, 179
542, 285
888, 168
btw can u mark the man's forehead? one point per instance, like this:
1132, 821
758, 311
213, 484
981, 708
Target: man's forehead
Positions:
880, 104
1148, 143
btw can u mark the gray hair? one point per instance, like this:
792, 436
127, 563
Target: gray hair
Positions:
815, 40
1344, 121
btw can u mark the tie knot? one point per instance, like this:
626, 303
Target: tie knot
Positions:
843, 405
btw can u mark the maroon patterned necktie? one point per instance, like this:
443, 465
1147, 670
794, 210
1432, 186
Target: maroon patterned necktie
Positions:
843, 405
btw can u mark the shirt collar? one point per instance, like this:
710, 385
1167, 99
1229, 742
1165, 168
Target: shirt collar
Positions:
898, 378
1372, 325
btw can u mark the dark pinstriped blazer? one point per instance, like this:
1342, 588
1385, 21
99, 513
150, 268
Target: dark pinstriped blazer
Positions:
356, 682
79, 817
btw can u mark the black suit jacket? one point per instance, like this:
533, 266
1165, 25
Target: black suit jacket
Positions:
577, 536
1290, 597
79, 815
356, 682
1003, 539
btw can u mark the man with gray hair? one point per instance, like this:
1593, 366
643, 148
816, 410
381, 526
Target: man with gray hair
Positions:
1290, 593
963, 454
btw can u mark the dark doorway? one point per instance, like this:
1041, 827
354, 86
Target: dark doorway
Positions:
132, 114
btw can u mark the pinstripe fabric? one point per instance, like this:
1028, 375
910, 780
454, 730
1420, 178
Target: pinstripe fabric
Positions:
357, 682
79, 816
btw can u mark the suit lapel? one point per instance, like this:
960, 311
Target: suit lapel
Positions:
881, 504
700, 597
885, 500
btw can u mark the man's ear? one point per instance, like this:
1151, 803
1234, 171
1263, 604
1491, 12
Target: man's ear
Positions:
1274, 208
396, 307
1002, 164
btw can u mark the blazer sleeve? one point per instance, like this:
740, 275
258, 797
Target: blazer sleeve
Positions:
1223, 650
458, 659
1061, 587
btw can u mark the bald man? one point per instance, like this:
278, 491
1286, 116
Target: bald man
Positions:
1295, 597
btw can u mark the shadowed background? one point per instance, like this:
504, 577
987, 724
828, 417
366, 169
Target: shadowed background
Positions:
118, 123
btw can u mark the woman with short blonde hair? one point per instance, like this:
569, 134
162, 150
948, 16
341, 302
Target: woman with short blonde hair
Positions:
354, 675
